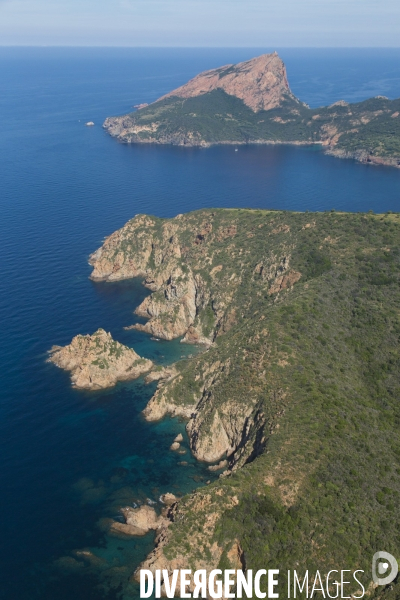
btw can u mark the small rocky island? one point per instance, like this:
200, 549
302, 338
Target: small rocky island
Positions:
97, 361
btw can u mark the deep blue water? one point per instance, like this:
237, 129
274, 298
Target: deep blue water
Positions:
69, 458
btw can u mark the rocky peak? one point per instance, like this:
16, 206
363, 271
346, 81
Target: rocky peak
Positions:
260, 82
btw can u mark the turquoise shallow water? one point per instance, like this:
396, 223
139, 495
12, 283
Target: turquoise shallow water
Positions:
69, 458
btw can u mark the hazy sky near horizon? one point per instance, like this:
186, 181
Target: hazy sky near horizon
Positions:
363, 23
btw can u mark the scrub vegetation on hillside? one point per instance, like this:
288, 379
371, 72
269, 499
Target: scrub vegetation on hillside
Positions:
302, 379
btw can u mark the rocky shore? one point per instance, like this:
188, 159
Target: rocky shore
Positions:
138, 521
97, 361
194, 296
298, 316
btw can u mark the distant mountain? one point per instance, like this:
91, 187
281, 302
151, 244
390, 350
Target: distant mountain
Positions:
251, 102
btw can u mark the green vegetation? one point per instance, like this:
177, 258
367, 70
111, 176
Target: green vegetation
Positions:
371, 127
317, 475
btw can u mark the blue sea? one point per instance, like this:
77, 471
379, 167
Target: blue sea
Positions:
70, 458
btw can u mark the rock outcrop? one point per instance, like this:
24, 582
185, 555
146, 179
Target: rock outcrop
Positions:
202, 504
152, 249
161, 374
195, 283
178, 299
168, 499
260, 82
221, 465
138, 521
97, 361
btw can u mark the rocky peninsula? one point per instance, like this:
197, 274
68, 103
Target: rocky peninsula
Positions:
97, 361
295, 390
251, 102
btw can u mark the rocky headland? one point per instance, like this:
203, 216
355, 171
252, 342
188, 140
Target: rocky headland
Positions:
97, 361
251, 102
298, 317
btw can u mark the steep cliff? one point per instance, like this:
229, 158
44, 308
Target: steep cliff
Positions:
297, 387
260, 82
189, 264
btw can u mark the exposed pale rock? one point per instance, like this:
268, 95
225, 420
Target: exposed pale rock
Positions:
179, 438
178, 301
144, 517
97, 361
159, 406
193, 290
110, 263
260, 82
162, 374
212, 443
138, 521
339, 103
157, 560
175, 446
221, 465
283, 282
139, 249
168, 499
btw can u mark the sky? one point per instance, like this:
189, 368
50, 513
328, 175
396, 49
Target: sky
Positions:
247, 23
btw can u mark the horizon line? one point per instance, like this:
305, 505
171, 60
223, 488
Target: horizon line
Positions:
197, 47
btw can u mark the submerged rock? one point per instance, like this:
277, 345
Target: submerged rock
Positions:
97, 361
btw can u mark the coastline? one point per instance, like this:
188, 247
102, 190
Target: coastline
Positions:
361, 156
67, 187
207, 298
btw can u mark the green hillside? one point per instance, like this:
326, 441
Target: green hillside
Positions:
302, 379
366, 130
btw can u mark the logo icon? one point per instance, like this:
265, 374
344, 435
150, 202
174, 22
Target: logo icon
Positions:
383, 562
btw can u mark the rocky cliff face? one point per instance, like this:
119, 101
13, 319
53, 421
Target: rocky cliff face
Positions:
260, 82
196, 265
180, 260
294, 391
274, 379
97, 361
